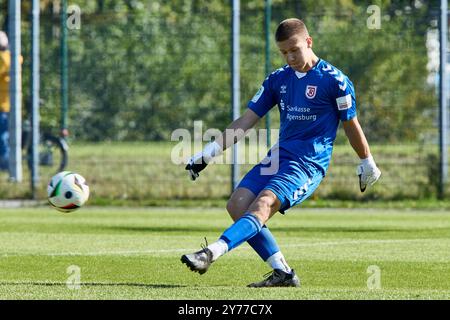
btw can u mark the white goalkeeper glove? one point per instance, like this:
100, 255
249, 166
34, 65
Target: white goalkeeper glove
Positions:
368, 173
201, 159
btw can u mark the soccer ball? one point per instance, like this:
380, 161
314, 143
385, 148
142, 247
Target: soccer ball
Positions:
67, 191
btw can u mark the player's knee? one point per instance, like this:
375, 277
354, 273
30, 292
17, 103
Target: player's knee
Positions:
235, 210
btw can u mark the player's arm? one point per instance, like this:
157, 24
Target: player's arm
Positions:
367, 170
356, 137
231, 135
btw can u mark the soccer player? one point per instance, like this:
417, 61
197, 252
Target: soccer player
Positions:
312, 97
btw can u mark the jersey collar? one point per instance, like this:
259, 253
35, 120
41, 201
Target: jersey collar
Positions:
302, 74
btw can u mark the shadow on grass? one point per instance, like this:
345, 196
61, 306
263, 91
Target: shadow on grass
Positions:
93, 284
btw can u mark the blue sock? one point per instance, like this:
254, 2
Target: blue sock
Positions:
243, 229
264, 243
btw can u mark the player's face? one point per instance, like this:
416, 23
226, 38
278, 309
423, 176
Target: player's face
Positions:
296, 51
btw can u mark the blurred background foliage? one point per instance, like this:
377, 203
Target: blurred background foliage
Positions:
140, 69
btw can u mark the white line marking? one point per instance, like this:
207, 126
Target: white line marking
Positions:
336, 243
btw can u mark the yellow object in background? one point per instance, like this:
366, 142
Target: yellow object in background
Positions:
5, 64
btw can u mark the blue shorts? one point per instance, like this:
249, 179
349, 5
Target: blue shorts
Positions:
291, 183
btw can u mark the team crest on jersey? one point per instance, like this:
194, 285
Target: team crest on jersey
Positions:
310, 91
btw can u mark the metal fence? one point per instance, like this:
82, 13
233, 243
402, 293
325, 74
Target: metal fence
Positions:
140, 70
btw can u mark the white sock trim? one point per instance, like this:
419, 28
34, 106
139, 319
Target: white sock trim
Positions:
218, 248
277, 261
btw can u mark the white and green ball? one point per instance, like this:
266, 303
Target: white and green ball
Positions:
67, 191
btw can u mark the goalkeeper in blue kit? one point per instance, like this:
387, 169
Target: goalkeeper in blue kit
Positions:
312, 97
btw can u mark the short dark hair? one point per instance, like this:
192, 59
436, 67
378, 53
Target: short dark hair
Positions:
290, 27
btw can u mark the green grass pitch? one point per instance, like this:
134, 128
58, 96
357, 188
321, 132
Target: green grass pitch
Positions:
124, 253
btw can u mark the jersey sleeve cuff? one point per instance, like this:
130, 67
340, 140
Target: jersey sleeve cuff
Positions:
255, 109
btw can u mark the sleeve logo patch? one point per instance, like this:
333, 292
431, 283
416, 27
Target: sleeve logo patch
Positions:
258, 94
344, 102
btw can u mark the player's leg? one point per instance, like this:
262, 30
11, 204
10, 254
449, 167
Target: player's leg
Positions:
246, 227
292, 187
248, 224
264, 242
240, 200
252, 183
264, 207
